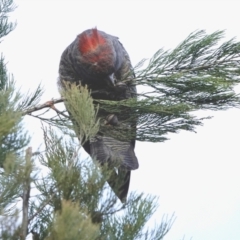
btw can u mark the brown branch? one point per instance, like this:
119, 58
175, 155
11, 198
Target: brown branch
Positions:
48, 104
26, 193
59, 112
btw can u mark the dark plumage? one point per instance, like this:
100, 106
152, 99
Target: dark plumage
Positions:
100, 61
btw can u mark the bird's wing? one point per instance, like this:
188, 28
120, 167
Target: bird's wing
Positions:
114, 152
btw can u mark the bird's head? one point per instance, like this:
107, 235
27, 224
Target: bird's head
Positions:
98, 55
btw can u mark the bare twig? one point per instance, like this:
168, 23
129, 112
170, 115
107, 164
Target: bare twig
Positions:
48, 104
59, 112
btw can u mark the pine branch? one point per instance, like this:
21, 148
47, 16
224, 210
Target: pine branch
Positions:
30, 100
6, 6
39, 209
48, 104
199, 74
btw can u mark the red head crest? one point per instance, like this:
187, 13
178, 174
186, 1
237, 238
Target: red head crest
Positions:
88, 42
96, 48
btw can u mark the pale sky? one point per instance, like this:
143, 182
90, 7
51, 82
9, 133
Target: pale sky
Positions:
196, 175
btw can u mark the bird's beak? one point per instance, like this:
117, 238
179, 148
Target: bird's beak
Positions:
111, 80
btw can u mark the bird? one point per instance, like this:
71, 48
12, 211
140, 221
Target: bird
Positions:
100, 61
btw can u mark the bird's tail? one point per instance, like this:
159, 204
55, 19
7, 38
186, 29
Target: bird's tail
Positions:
119, 182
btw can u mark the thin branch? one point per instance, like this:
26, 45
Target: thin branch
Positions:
48, 104
59, 112
43, 113
39, 210
26, 193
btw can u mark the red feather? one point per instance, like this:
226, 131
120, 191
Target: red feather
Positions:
89, 42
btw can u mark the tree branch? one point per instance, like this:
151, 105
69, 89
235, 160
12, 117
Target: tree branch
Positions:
26, 193
48, 104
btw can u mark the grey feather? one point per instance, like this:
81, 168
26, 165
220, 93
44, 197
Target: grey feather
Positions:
106, 149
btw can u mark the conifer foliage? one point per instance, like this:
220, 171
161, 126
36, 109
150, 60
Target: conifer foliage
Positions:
58, 194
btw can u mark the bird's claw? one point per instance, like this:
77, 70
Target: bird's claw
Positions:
111, 119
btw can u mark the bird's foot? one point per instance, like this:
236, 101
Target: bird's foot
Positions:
120, 87
111, 119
